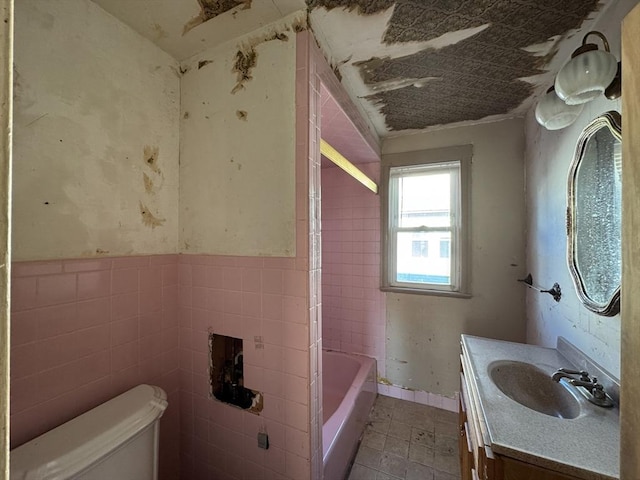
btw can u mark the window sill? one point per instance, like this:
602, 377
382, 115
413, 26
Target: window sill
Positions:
419, 291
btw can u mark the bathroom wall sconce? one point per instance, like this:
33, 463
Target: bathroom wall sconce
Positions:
553, 114
554, 291
589, 73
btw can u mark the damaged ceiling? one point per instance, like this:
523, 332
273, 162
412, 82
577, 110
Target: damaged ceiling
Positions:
183, 28
407, 64
416, 64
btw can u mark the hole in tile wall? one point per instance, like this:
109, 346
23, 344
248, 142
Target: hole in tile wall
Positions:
227, 376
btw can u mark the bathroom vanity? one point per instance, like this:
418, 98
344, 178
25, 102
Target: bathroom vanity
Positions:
519, 421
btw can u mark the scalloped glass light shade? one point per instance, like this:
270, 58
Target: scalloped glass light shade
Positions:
585, 76
553, 114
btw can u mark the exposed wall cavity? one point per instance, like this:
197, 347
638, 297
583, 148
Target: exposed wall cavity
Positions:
470, 79
212, 8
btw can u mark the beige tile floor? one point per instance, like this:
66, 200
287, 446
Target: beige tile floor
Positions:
406, 440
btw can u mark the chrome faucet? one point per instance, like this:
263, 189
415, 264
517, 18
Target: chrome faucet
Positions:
566, 373
591, 389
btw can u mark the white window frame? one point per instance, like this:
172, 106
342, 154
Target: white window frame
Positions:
452, 159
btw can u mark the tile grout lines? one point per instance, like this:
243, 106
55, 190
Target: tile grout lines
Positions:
407, 441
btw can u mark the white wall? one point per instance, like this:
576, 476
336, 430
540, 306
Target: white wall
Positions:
423, 331
549, 155
6, 120
90, 95
237, 176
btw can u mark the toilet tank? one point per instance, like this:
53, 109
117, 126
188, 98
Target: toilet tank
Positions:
115, 440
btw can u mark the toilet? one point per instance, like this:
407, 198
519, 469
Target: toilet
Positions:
115, 440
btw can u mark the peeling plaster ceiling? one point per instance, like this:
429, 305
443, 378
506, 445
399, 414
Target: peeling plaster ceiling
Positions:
407, 64
416, 64
183, 28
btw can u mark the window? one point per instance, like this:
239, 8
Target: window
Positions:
420, 248
425, 203
445, 248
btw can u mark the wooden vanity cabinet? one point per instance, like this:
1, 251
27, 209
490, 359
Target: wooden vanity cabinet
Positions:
512, 469
477, 460
464, 443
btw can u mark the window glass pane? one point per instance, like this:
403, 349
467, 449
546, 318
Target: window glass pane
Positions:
424, 214
424, 200
445, 247
420, 248
429, 268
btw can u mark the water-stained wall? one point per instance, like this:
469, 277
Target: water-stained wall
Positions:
423, 331
238, 145
95, 136
549, 155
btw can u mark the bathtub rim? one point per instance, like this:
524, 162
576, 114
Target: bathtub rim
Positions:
335, 424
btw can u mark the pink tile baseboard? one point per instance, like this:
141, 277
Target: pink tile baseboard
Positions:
419, 396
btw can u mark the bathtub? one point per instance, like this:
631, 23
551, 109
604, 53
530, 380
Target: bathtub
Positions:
349, 389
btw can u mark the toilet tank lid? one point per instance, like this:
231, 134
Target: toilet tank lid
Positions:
82, 441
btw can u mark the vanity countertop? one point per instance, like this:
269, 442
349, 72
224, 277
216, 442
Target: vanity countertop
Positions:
586, 447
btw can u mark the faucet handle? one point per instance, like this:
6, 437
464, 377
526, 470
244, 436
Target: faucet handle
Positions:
584, 375
599, 393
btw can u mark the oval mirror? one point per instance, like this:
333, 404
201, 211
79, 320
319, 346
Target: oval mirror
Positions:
594, 215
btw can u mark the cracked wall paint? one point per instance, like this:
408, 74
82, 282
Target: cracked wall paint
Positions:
153, 181
424, 330
237, 183
148, 218
150, 155
364, 7
245, 61
548, 157
247, 58
82, 108
148, 183
211, 9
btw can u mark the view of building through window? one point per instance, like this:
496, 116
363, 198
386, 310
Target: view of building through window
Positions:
424, 225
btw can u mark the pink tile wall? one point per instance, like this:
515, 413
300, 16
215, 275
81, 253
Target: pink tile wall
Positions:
310, 67
86, 330
263, 302
353, 305
340, 132
273, 305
